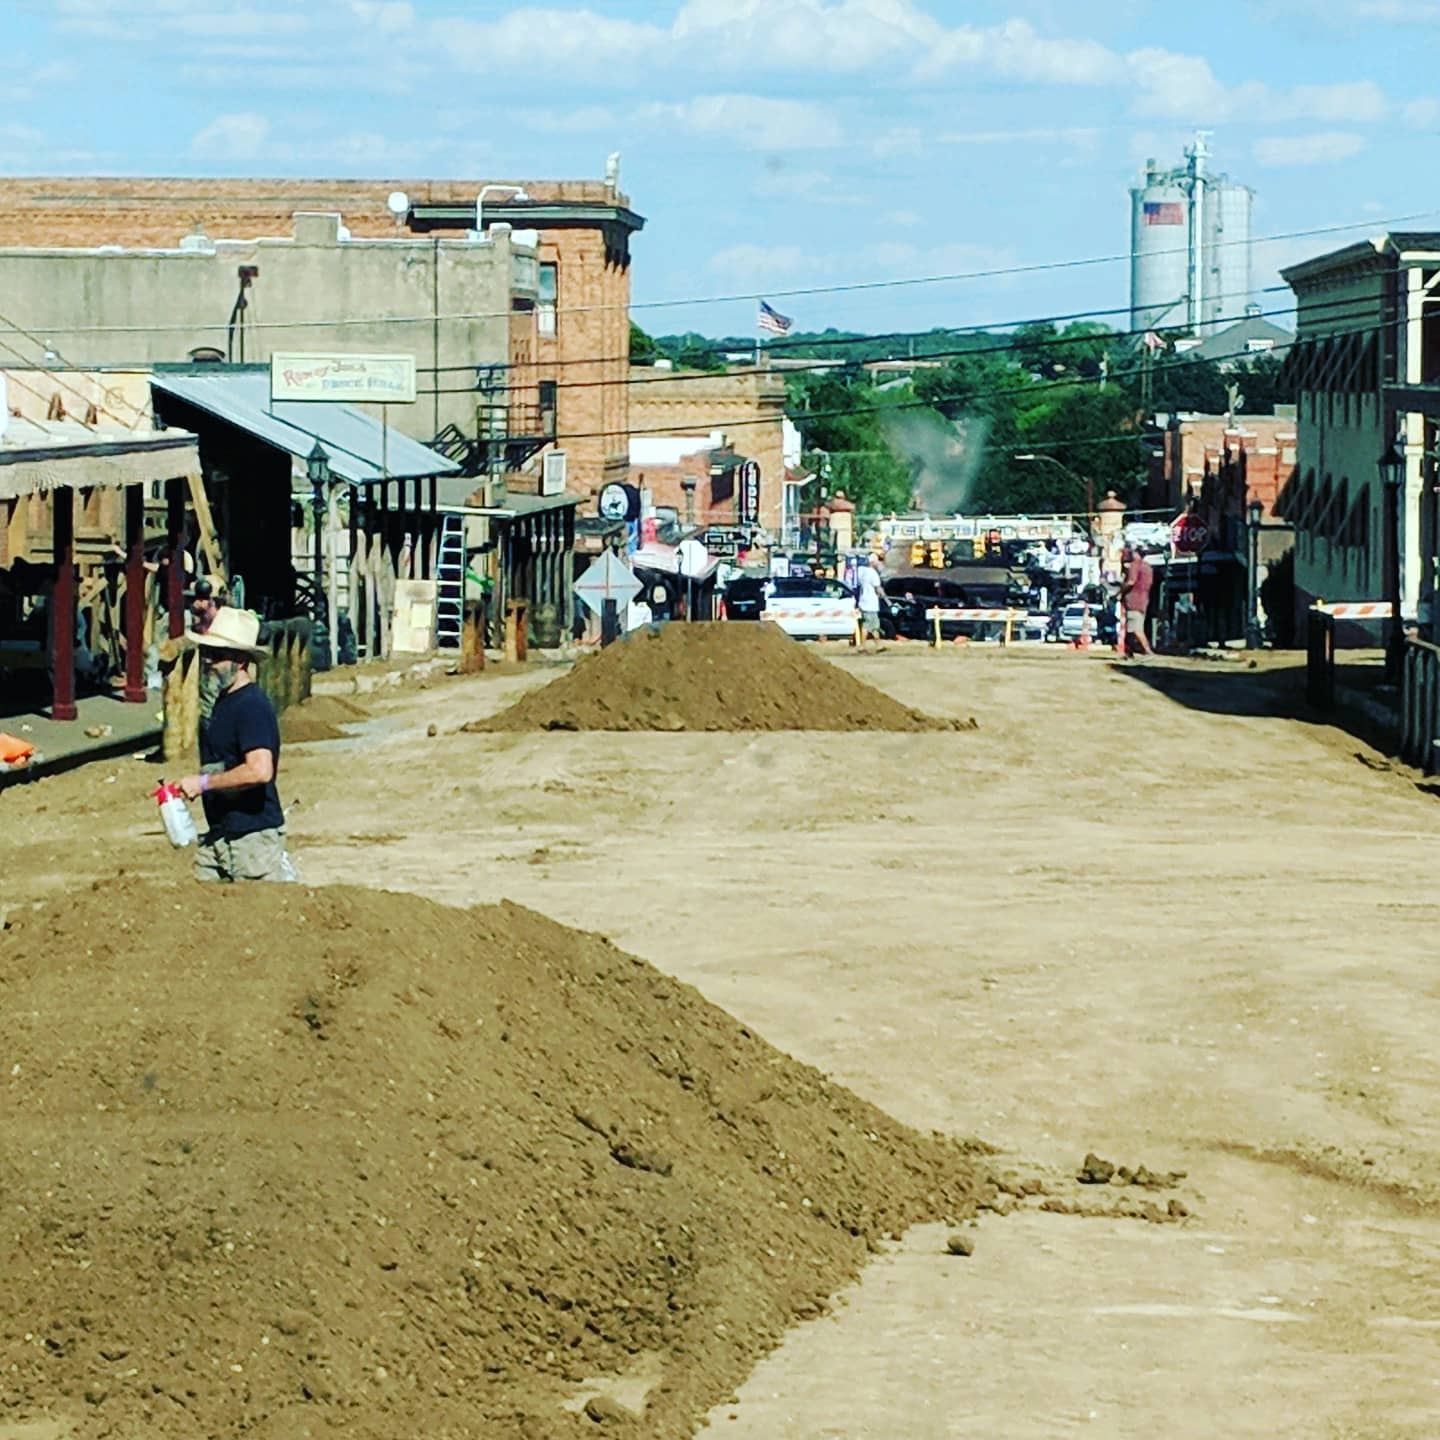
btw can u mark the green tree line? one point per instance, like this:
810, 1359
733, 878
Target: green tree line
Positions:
1080, 395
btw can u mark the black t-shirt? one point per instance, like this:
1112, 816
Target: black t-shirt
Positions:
243, 720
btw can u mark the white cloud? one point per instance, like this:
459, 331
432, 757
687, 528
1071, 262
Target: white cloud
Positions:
587, 119
1325, 147
1353, 101
752, 268
385, 17
578, 43
239, 136
1422, 114
754, 121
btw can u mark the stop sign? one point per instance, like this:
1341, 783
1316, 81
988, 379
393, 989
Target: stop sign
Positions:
1189, 535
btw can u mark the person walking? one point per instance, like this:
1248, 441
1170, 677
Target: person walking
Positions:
1136, 583
240, 759
867, 585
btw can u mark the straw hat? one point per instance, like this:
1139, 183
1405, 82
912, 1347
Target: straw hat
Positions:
233, 629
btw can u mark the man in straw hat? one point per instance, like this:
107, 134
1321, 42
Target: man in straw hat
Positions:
239, 755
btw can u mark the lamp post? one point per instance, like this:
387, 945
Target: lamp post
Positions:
1253, 636
1392, 478
515, 192
323, 641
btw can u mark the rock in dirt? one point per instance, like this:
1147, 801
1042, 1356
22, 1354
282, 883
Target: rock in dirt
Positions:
1095, 1171
312, 1162
736, 676
604, 1410
960, 1244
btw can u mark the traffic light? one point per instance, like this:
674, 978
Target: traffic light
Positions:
993, 543
917, 552
937, 554
979, 543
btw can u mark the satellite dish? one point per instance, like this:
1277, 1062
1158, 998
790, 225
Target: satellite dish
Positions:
398, 204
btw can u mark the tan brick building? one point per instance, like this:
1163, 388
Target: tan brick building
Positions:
747, 407
567, 352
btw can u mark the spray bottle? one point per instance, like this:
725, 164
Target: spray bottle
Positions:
179, 823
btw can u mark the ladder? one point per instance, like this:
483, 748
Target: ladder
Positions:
450, 583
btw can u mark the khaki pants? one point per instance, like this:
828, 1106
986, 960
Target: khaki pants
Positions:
260, 855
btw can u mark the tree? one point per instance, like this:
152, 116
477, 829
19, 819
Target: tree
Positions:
1265, 384
840, 418
643, 349
1185, 383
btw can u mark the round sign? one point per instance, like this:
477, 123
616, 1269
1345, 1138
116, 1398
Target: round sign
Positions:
614, 502
1189, 535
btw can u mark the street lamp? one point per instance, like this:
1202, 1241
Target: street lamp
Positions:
1392, 478
1253, 636
515, 192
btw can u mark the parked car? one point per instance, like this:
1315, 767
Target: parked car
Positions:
911, 597
806, 606
1072, 621
745, 597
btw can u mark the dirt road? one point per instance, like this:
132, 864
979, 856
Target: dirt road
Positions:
1155, 920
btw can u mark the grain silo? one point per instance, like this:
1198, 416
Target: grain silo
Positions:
1189, 247
1159, 250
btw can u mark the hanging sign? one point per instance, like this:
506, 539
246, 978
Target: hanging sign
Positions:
750, 492
379, 379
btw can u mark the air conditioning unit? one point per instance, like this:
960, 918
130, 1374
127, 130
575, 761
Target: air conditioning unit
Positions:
552, 476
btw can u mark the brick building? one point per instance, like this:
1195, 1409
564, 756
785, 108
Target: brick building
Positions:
1215, 467
1185, 448
746, 407
690, 479
559, 362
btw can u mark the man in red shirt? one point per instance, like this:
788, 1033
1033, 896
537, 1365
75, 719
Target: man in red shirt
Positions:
1135, 587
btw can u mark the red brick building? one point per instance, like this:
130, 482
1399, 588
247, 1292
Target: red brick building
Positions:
568, 357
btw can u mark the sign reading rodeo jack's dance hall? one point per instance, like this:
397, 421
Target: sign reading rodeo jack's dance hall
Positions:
378, 379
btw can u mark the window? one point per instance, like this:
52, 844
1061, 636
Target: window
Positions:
548, 389
547, 292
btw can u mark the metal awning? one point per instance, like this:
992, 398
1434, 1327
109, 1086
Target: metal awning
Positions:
360, 450
37, 456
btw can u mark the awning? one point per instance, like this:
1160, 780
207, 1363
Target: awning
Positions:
39, 456
360, 450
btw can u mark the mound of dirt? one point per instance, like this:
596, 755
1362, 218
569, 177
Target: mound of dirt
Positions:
707, 677
289, 1162
318, 718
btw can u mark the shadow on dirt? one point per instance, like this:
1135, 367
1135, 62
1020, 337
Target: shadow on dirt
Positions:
1275, 692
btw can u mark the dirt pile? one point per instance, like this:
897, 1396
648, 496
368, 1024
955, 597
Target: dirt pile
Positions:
319, 718
290, 1162
707, 677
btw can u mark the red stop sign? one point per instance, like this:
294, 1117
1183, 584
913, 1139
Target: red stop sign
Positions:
1189, 535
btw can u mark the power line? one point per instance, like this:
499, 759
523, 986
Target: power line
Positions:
993, 272
823, 364
1034, 388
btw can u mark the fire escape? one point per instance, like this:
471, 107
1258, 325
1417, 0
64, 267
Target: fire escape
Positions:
507, 432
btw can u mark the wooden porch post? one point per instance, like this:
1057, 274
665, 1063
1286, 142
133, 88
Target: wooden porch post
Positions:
134, 691
175, 552
62, 606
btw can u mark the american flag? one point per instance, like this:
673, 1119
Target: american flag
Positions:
773, 321
1164, 212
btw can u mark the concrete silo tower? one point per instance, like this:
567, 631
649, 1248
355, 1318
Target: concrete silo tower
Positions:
1189, 247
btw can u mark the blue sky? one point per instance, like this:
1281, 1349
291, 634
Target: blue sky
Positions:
771, 144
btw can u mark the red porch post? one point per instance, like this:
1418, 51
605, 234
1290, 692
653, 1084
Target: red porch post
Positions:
62, 606
134, 594
175, 555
